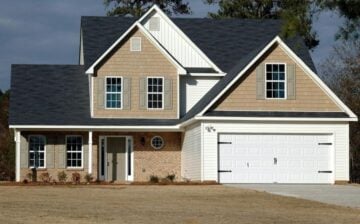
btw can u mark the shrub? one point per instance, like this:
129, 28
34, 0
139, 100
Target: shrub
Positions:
88, 177
25, 181
76, 177
62, 176
154, 179
29, 176
165, 181
45, 177
171, 177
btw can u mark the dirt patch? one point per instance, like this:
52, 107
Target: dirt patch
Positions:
160, 204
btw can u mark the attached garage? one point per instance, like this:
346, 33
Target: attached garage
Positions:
276, 158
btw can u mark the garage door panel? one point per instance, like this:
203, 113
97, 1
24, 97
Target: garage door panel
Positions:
280, 158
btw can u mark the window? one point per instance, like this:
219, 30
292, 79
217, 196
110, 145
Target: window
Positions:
135, 44
154, 24
275, 81
37, 151
74, 151
157, 142
113, 92
155, 93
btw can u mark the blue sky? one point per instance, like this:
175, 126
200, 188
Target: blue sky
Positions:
47, 32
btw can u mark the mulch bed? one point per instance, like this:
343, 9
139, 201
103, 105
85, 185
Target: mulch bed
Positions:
191, 183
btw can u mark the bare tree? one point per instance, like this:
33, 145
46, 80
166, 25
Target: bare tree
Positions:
341, 71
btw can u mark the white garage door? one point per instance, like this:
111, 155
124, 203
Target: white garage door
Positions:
275, 158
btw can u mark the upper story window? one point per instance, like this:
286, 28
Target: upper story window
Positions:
37, 151
275, 81
135, 44
155, 94
74, 152
113, 92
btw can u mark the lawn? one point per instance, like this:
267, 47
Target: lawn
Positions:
161, 204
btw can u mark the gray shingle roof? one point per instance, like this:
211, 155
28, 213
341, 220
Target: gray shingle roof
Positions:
224, 41
58, 94
99, 33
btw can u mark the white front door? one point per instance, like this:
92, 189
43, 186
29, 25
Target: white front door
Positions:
275, 158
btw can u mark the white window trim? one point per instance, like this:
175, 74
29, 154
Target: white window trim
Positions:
285, 80
121, 93
162, 139
147, 92
43, 136
82, 153
131, 44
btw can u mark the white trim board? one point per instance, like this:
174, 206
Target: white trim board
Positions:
175, 128
317, 80
180, 69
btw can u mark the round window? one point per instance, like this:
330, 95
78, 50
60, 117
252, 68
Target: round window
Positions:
157, 142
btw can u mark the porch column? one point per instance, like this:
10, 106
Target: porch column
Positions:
17, 155
90, 152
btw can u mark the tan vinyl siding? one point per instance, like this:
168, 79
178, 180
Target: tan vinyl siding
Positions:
136, 65
308, 95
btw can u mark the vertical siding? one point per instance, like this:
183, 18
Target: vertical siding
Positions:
339, 130
192, 89
191, 153
176, 45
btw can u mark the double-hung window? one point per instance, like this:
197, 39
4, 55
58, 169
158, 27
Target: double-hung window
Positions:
74, 151
113, 92
275, 81
155, 94
37, 151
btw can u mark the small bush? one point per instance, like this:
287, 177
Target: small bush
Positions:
29, 176
165, 181
154, 179
88, 177
75, 178
45, 177
25, 181
62, 176
171, 177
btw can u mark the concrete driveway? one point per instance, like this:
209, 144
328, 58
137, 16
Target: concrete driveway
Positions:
344, 195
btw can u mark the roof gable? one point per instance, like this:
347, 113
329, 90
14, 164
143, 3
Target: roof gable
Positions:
228, 43
309, 95
242, 67
118, 42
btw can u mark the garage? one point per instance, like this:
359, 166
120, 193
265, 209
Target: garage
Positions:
276, 158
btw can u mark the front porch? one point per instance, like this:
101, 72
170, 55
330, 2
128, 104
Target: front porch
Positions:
107, 156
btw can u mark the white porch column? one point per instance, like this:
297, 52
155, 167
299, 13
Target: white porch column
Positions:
90, 152
17, 155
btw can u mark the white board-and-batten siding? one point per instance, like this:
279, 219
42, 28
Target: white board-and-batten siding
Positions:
192, 89
176, 45
191, 153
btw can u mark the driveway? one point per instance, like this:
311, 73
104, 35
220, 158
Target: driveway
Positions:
344, 195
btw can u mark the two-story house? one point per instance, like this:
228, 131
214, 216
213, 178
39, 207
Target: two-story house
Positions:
207, 100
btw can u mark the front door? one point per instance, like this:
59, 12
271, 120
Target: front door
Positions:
116, 159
